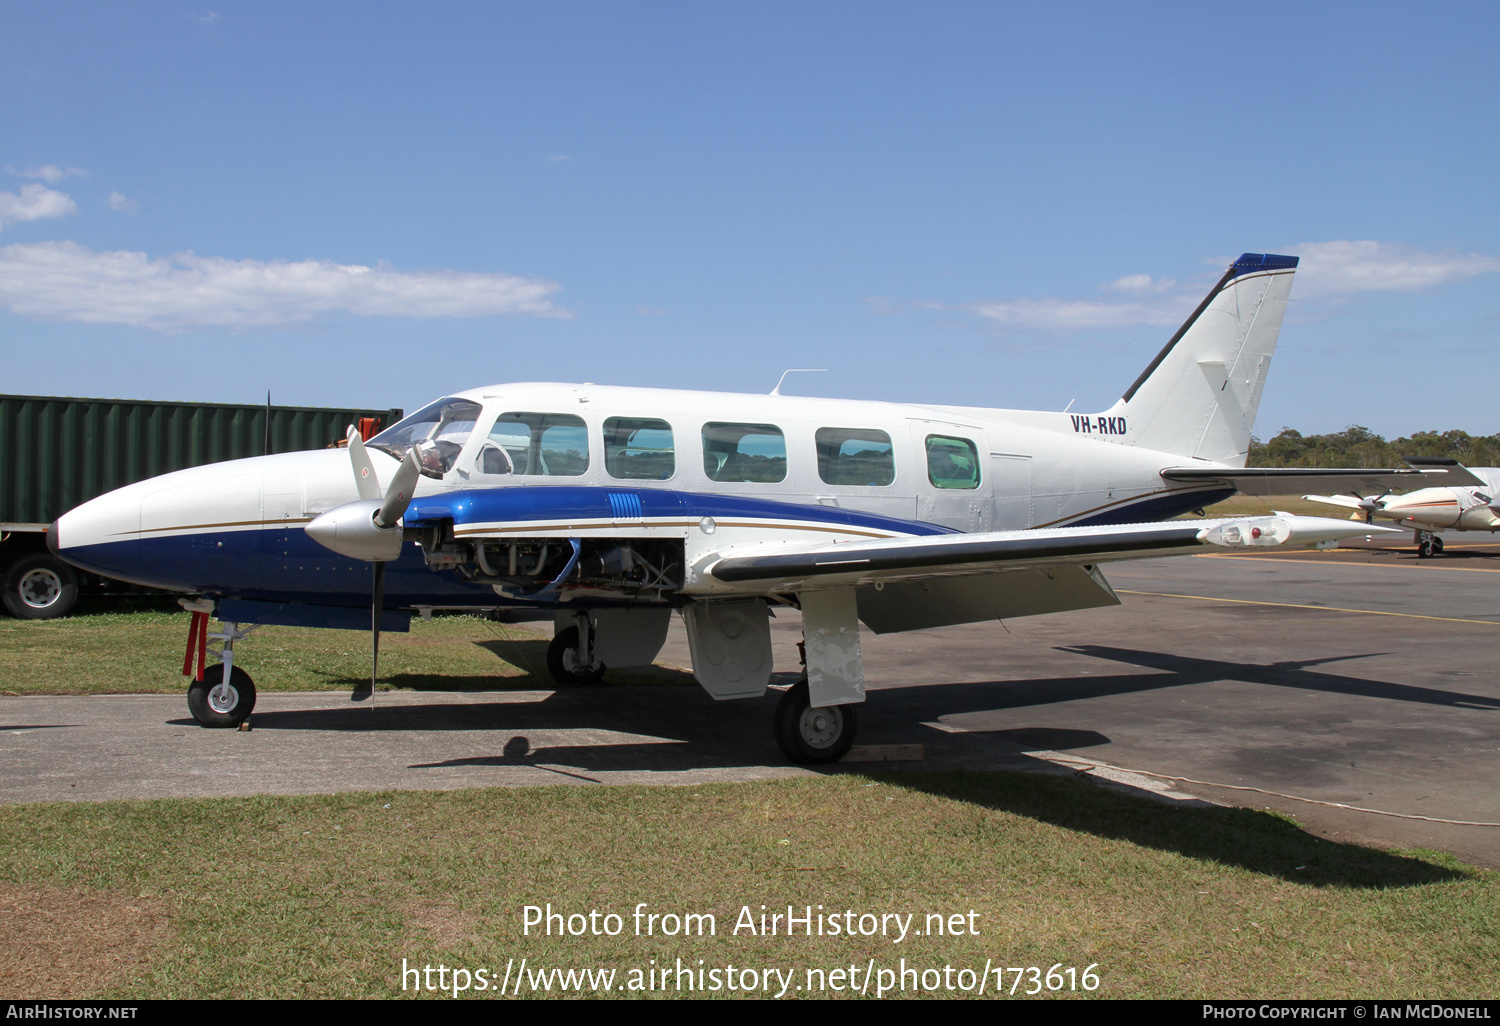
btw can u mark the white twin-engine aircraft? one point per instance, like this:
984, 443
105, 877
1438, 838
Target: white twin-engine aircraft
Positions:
616, 506
1468, 503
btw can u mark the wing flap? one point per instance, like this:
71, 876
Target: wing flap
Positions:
944, 601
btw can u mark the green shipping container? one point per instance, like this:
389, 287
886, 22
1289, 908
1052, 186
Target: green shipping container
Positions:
56, 453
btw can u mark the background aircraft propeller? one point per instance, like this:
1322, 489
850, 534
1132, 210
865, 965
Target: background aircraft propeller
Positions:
1372, 504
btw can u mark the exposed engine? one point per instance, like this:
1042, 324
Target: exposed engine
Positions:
530, 566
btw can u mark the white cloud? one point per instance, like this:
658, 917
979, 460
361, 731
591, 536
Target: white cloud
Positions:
1064, 315
33, 203
1328, 271
1331, 269
123, 203
66, 281
49, 172
1138, 283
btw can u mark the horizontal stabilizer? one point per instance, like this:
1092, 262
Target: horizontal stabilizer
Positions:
1296, 480
1443, 472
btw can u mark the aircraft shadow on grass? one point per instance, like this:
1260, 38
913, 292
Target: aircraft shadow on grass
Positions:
1260, 842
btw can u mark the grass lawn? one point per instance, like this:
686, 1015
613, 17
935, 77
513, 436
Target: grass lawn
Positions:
141, 652
324, 896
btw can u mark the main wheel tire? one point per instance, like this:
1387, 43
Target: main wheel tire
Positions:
563, 665
1424, 550
221, 710
1437, 546
808, 734
40, 587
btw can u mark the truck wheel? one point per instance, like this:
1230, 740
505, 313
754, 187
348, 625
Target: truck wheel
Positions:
40, 587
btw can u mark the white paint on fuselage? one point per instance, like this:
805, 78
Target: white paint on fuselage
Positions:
1449, 508
1035, 472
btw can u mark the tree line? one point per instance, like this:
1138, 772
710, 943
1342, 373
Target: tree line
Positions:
1357, 446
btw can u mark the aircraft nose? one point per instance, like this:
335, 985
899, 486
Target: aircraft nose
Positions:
52, 539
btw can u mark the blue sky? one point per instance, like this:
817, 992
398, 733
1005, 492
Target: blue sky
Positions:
980, 204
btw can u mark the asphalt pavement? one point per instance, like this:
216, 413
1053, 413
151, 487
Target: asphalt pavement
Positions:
1362, 677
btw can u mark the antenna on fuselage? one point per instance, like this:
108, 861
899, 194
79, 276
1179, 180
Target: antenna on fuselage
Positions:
797, 370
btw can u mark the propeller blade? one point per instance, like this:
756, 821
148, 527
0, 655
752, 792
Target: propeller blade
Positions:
364, 471
377, 607
398, 495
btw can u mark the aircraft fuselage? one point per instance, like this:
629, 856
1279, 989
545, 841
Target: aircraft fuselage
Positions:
238, 528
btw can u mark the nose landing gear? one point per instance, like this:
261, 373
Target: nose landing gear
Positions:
221, 695
215, 702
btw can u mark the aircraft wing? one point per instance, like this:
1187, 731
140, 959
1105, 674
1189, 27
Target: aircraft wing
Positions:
837, 564
913, 583
1423, 473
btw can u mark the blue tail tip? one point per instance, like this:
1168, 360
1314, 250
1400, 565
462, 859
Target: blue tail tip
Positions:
1262, 262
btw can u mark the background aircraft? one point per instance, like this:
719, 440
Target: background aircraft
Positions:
615, 506
1468, 503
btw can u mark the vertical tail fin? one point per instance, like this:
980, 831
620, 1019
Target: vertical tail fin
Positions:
1199, 396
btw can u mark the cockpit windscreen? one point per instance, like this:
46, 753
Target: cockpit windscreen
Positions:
438, 432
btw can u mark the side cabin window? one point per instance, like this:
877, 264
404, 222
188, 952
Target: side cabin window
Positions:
543, 444
848, 456
744, 452
952, 462
639, 449
438, 433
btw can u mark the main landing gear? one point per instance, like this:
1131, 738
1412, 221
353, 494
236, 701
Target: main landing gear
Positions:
1428, 544
571, 660
808, 734
569, 664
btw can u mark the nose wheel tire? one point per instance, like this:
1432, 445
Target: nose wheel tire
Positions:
564, 665
809, 734
40, 587
214, 703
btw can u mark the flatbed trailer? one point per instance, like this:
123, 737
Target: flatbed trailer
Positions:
57, 452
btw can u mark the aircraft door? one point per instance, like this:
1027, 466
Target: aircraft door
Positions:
1013, 487
953, 482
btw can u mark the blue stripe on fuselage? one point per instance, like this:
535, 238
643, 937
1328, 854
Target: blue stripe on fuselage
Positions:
1156, 507
545, 505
